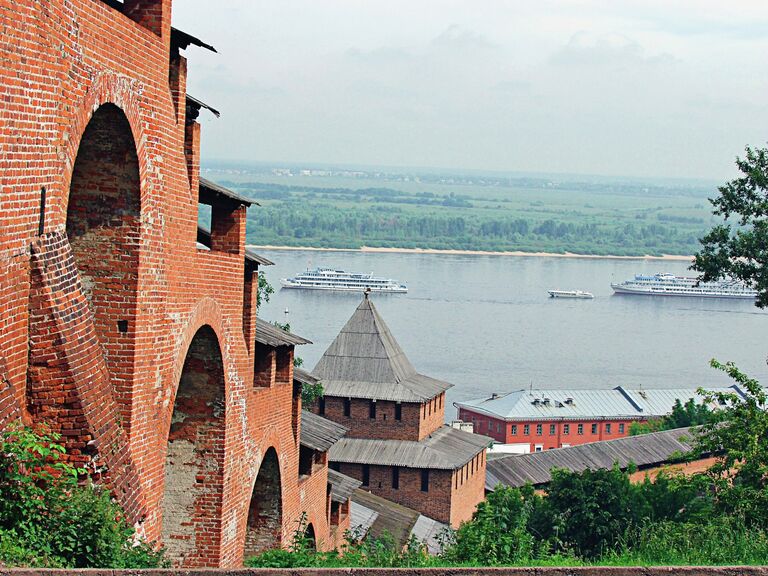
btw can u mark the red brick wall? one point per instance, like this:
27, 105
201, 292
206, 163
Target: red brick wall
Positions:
88, 113
566, 432
467, 489
432, 415
417, 420
435, 503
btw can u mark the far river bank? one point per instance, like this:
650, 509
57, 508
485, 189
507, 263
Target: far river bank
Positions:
371, 249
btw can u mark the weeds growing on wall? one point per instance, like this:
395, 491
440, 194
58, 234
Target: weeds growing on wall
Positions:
49, 519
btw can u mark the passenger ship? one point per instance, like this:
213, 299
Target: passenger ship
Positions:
330, 279
671, 285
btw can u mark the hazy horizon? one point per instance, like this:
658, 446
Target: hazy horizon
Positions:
634, 89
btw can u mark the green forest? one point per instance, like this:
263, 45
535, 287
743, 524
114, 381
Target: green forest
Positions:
512, 215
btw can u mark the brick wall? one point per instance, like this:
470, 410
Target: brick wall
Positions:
553, 433
417, 420
467, 489
435, 503
100, 315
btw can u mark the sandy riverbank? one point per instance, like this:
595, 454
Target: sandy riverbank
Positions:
474, 253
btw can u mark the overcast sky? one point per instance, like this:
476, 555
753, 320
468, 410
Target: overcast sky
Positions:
632, 87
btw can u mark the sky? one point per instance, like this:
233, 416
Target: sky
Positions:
643, 88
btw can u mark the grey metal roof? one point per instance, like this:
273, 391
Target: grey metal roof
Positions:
553, 404
365, 361
319, 433
445, 449
270, 335
342, 486
535, 468
251, 257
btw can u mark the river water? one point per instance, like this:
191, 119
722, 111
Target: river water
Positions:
486, 323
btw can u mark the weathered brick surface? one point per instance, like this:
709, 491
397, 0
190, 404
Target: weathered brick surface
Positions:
101, 315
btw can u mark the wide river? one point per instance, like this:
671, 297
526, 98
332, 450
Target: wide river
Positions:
486, 323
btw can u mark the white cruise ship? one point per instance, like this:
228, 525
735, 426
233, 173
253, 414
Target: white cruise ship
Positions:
330, 279
671, 285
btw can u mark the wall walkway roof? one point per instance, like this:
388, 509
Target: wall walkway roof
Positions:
318, 433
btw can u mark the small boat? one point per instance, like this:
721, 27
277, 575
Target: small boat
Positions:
570, 294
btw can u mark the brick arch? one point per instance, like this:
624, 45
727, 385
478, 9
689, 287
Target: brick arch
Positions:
193, 485
265, 514
206, 313
106, 88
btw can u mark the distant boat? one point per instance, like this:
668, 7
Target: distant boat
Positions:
671, 285
570, 294
339, 280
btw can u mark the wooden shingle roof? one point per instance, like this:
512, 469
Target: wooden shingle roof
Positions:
445, 449
536, 468
319, 433
342, 486
365, 361
274, 337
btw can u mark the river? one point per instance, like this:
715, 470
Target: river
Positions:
486, 323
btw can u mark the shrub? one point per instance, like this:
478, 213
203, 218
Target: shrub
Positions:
47, 519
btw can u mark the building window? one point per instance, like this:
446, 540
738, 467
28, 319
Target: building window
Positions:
498, 427
366, 475
425, 480
608, 428
321, 406
395, 478
552, 429
539, 447
440, 398
538, 429
526, 429
372, 410
398, 411
621, 428
580, 429
514, 429
594, 428
347, 406
472, 467
566, 428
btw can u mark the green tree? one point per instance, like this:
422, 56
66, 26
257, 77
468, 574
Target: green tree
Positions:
740, 440
740, 253
264, 291
682, 416
498, 532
